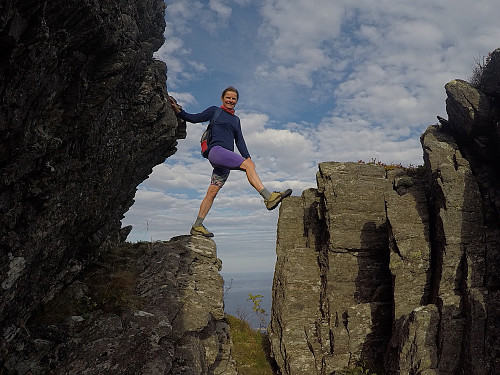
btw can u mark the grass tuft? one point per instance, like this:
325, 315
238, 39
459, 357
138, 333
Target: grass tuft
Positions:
250, 348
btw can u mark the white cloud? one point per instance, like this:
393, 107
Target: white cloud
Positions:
220, 8
293, 25
298, 31
183, 98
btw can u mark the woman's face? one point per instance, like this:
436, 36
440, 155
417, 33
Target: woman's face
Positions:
229, 99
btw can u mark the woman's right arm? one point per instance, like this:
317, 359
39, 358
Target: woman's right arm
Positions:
206, 115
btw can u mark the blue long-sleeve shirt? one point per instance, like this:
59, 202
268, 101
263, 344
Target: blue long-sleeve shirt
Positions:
225, 131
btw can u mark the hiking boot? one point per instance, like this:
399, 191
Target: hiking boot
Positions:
276, 198
201, 231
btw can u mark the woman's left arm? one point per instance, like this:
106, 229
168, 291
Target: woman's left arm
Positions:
240, 142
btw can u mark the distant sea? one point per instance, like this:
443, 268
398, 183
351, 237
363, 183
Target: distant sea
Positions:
237, 286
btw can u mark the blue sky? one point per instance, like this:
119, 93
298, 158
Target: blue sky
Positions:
319, 80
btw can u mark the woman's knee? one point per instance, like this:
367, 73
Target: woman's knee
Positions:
247, 164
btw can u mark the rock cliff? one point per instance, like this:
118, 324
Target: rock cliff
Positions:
398, 268
84, 119
146, 308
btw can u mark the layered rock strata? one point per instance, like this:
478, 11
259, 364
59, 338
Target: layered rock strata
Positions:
398, 268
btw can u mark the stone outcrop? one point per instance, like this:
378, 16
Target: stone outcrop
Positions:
171, 320
83, 120
398, 268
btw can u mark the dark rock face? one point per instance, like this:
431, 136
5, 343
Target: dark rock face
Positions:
398, 268
83, 118
171, 321
489, 79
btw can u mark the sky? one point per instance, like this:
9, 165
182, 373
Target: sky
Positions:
319, 80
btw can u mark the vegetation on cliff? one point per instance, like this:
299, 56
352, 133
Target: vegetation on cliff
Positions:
251, 348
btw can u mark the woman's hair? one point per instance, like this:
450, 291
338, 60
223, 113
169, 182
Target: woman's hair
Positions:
231, 88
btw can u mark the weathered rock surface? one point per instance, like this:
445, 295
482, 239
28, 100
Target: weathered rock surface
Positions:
176, 327
83, 120
396, 268
333, 269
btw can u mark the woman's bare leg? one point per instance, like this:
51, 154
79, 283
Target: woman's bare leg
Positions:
207, 202
249, 167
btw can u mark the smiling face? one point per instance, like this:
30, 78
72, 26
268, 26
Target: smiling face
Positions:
230, 99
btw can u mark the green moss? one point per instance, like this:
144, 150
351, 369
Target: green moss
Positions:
415, 255
358, 370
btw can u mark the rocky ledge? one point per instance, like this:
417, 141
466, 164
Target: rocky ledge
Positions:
146, 308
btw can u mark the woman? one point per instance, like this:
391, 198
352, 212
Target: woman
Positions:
226, 130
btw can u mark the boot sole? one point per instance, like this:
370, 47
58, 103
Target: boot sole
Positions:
196, 233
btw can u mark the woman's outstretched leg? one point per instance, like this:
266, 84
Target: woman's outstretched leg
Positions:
271, 200
249, 167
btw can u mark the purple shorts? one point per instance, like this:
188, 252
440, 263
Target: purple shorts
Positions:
223, 162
